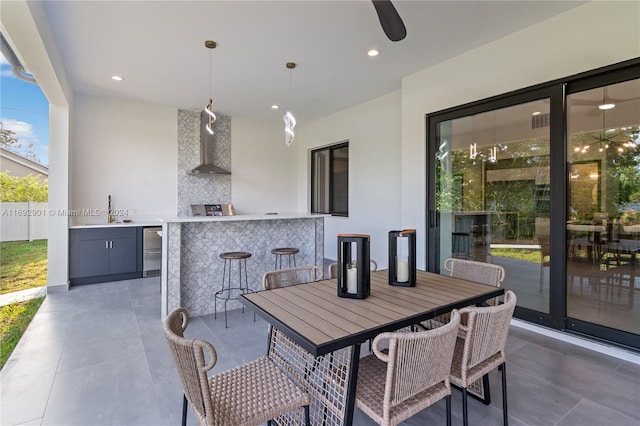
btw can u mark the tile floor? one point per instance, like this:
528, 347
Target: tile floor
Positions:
96, 355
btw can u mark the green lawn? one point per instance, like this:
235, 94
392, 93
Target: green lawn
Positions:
14, 320
520, 254
23, 265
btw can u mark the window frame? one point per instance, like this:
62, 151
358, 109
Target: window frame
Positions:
313, 179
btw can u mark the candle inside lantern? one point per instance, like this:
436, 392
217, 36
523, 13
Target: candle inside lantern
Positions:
402, 271
352, 280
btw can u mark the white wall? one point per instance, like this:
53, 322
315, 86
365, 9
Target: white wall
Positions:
559, 47
264, 169
373, 132
127, 150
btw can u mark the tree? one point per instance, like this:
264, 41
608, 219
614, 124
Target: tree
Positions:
9, 141
7, 137
14, 189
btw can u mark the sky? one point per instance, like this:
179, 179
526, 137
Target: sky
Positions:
25, 110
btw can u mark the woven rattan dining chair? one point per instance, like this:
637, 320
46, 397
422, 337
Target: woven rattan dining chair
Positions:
291, 276
480, 272
410, 376
482, 349
333, 268
249, 394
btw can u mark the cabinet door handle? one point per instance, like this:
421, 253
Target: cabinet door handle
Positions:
110, 244
106, 244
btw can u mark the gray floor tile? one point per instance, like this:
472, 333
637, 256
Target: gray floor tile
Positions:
587, 412
565, 348
532, 399
147, 306
582, 378
33, 422
629, 369
119, 392
103, 350
24, 395
144, 287
96, 355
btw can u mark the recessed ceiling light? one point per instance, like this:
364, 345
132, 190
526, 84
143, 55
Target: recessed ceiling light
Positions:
373, 52
606, 106
274, 106
116, 78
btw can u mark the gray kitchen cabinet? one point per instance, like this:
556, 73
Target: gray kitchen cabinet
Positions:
104, 254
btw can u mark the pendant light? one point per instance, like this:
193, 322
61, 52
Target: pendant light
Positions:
210, 44
289, 119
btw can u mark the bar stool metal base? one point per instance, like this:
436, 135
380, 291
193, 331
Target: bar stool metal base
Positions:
232, 293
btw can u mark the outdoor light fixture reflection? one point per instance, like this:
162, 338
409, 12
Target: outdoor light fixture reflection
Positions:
493, 154
473, 150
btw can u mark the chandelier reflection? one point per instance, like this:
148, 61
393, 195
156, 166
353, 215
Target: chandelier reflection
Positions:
617, 139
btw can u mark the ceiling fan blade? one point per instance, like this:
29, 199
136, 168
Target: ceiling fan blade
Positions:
390, 20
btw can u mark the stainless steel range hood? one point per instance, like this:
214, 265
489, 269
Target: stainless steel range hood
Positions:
207, 152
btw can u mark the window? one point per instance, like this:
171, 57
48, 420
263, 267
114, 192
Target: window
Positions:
330, 180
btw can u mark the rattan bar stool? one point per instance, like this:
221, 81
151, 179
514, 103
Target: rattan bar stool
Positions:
280, 252
227, 292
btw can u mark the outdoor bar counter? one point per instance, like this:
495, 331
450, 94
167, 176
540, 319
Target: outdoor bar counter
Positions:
192, 269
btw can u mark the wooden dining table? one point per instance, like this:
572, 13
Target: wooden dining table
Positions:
316, 335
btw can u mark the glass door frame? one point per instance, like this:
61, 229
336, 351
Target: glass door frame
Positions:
556, 91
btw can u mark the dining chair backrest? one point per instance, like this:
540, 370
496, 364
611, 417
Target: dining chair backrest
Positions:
480, 272
486, 331
291, 276
189, 357
416, 361
333, 268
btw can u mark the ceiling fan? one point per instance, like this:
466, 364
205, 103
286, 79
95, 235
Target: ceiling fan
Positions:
390, 20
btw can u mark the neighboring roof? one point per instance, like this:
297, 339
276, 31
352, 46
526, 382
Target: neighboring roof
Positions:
6, 154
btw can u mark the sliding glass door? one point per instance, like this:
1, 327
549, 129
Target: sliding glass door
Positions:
492, 194
603, 224
545, 182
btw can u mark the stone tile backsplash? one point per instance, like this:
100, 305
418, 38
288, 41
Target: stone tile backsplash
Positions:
214, 189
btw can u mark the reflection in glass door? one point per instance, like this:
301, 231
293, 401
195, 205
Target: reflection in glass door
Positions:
493, 192
603, 227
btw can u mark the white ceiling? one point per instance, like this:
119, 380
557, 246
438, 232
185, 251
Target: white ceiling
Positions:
158, 47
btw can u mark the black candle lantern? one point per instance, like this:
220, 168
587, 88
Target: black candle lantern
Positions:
402, 258
354, 269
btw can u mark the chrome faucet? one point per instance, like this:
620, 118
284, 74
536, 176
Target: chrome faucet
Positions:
110, 217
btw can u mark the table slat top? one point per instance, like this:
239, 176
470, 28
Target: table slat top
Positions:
320, 321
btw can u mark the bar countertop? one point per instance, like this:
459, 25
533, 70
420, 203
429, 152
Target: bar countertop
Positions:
242, 217
158, 221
